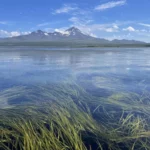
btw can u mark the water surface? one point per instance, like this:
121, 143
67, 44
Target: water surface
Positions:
100, 71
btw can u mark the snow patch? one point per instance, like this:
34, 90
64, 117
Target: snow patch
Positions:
46, 34
62, 32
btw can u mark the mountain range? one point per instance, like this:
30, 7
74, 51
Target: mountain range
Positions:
71, 34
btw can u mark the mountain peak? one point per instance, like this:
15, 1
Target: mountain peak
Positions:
73, 29
38, 32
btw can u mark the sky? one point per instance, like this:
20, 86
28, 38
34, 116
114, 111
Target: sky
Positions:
109, 19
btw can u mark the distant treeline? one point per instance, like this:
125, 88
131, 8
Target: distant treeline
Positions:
70, 44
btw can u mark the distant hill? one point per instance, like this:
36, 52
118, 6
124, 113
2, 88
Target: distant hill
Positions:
72, 34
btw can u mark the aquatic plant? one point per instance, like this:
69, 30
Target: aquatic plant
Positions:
68, 117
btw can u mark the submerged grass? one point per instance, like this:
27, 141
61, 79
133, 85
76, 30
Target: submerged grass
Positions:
66, 117
50, 127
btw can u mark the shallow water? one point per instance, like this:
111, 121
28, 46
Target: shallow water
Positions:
100, 71
74, 98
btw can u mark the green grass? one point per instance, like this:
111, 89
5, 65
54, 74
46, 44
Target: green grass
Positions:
66, 117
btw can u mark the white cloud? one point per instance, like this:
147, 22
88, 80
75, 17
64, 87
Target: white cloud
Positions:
115, 26
82, 12
80, 21
100, 27
130, 29
138, 31
120, 37
65, 9
92, 34
111, 29
145, 25
4, 33
14, 33
111, 4
25, 33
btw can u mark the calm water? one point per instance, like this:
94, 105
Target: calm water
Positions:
99, 71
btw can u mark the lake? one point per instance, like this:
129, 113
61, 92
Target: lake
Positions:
108, 69
110, 84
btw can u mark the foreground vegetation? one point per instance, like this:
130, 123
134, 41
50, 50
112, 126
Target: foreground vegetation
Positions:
67, 117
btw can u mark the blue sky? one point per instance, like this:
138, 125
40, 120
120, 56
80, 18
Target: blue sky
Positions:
110, 19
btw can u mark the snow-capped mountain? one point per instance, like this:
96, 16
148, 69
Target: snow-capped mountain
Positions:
39, 35
71, 34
